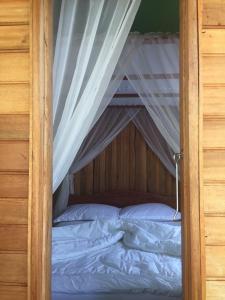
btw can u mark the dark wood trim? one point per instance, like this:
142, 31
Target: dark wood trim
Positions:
122, 199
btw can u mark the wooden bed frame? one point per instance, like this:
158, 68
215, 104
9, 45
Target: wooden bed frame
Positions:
122, 199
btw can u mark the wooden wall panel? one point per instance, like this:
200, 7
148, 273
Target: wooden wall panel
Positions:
13, 185
13, 237
214, 197
213, 69
14, 38
14, 12
213, 13
14, 147
14, 127
13, 268
212, 76
214, 230
215, 290
126, 164
14, 98
214, 104
215, 262
214, 164
14, 67
14, 156
213, 41
13, 211
213, 130
13, 292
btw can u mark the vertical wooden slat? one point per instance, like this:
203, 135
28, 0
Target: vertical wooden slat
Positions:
132, 160
126, 164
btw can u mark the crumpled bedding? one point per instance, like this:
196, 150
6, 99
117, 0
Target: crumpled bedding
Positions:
117, 256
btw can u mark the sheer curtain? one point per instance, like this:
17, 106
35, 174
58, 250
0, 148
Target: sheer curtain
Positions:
109, 125
153, 71
153, 138
90, 37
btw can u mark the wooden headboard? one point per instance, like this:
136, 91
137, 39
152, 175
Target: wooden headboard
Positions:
122, 199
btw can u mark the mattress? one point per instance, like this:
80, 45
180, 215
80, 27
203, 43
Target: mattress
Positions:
145, 296
117, 257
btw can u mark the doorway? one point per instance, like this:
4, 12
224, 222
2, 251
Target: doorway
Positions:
41, 148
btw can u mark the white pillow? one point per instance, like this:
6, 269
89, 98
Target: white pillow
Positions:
88, 212
149, 211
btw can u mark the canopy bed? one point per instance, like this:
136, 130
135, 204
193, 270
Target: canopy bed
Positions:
117, 249
95, 59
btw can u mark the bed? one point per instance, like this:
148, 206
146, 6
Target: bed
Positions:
117, 258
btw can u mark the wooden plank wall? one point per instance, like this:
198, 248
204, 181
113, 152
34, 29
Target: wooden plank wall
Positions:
126, 164
212, 84
14, 147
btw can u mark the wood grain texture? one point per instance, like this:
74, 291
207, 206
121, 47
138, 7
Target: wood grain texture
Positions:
214, 198
213, 92
213, 133
14, 127
14, 98
214, 164
13, 185
14, 11
14, 147
215, 290
13, 292
213, 100
14, 156
123, 198
126, 164
14, 67
191, 106
40, 187
13, 237
13, 268
213, 13
16, 211
215, 261
213, 69
14, 37
213, 41
214, 230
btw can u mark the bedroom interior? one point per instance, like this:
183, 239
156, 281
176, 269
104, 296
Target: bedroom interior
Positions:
117, 221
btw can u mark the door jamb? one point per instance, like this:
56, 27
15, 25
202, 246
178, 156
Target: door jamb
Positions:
40, 152
191, 122
40, 203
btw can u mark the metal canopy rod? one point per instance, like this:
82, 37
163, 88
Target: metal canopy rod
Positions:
177, 157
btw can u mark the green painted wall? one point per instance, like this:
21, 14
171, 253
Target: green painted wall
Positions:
157, 16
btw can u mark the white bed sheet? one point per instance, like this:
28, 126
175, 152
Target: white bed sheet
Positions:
117, 256
60, 296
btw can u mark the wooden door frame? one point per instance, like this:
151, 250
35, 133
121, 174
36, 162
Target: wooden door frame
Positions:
191, 129
40, 164
40, 204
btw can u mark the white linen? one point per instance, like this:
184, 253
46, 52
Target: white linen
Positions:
149, 211
91, 35
87, 212
142, 296
117, 256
